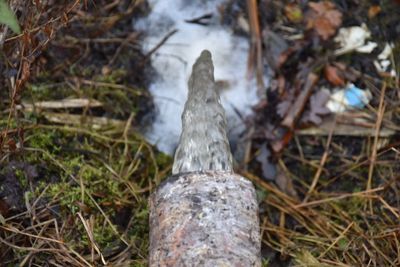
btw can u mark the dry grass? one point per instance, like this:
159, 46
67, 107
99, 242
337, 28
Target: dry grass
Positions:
80, 176
349, 212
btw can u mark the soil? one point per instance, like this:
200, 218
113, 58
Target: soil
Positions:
74, 188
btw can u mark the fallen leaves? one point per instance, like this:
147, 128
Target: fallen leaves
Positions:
317, 107
293, 12
334, 75
324, 18
373, 11
276, 49
301, 100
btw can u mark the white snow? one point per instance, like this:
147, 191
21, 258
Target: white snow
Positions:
173, 62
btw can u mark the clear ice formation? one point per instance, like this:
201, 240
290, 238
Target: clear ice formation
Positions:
203, 142
173, 61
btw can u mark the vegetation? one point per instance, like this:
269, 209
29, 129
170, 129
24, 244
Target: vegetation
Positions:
75, 178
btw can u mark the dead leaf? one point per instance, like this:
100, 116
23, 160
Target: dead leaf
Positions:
12, 145
38, 4
4, 210
49, 31
283, 107
2, 220
281, 84
275, 46
25, 74
334, 76
317, 107
285, 184
324, 18
278, 145
373, 11
293, 12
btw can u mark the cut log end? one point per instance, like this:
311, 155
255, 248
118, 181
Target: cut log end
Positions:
204, 219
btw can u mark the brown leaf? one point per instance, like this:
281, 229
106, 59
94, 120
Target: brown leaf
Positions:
373, 11
48, 30
324, 18
278, 145
25, 73
334, 75
285, 184
4, 209
293, 12
12, 145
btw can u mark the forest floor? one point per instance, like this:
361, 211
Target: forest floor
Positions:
75, 172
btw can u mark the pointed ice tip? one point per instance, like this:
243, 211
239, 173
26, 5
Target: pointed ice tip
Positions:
203, 144
205, 54
203, 64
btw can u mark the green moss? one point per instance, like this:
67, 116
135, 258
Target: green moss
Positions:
115, 76
23, 181
103, 233
163, 160
342, 243
44, 139
261, 194
265, 262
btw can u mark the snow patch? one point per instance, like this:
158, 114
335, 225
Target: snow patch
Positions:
174, 59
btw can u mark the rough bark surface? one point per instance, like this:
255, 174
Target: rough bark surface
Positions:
204, 215
205, 219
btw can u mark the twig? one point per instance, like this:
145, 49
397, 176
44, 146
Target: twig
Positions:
329, 199
203, 20
14, 230
321, 165
255, 52
296, 109
337, 240
89, 232
381, 111
154, 49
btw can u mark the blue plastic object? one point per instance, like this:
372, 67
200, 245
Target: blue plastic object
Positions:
355, 97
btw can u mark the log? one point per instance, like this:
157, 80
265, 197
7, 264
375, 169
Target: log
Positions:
204, 214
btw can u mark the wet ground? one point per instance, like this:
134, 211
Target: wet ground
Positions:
75, 175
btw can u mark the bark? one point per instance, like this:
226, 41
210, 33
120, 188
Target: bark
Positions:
205, 219
204, 215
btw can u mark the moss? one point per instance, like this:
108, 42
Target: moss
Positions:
115, 76
342, 243
163, 160
23, 181
265, 262
45, 140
